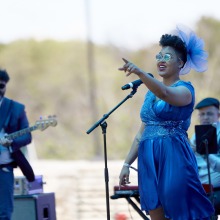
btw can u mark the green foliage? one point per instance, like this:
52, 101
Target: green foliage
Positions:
80, 82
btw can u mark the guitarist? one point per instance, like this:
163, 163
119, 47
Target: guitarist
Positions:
12, 118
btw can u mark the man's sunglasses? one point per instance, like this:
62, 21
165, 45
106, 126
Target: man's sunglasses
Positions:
2, 86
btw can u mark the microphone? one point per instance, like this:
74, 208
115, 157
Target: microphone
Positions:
134, 84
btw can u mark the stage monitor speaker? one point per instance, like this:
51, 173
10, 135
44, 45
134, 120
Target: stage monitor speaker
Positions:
34, 207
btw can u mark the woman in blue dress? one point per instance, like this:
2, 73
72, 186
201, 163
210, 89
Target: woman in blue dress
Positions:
168, 180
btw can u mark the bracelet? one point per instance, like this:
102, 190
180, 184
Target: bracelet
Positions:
126, 165
129, 166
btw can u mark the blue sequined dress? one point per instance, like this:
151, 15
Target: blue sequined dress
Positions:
167, 169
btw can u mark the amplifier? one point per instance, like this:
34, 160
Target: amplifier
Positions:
34, 207
23, 187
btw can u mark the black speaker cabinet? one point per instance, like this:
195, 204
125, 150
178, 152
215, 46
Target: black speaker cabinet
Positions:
34, 207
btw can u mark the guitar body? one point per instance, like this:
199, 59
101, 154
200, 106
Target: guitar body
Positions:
4, 152
1, 137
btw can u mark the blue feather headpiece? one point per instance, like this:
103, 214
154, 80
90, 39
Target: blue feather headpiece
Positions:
196, 55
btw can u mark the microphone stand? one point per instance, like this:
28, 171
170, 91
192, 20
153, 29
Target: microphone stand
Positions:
212, 196
208, 168
206, 143
103, 125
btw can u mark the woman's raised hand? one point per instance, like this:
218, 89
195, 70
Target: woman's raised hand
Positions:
129, 68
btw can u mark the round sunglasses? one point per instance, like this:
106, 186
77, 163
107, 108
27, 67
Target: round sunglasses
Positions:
166, 57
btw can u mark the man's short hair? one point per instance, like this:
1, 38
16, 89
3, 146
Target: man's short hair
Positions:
208, 102
4, 75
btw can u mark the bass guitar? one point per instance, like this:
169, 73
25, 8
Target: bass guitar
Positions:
41, 124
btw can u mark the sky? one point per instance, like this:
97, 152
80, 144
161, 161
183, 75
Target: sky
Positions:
130, 24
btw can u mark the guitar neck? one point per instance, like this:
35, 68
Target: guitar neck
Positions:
21, 132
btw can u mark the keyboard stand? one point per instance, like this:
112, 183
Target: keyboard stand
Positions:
128, 197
